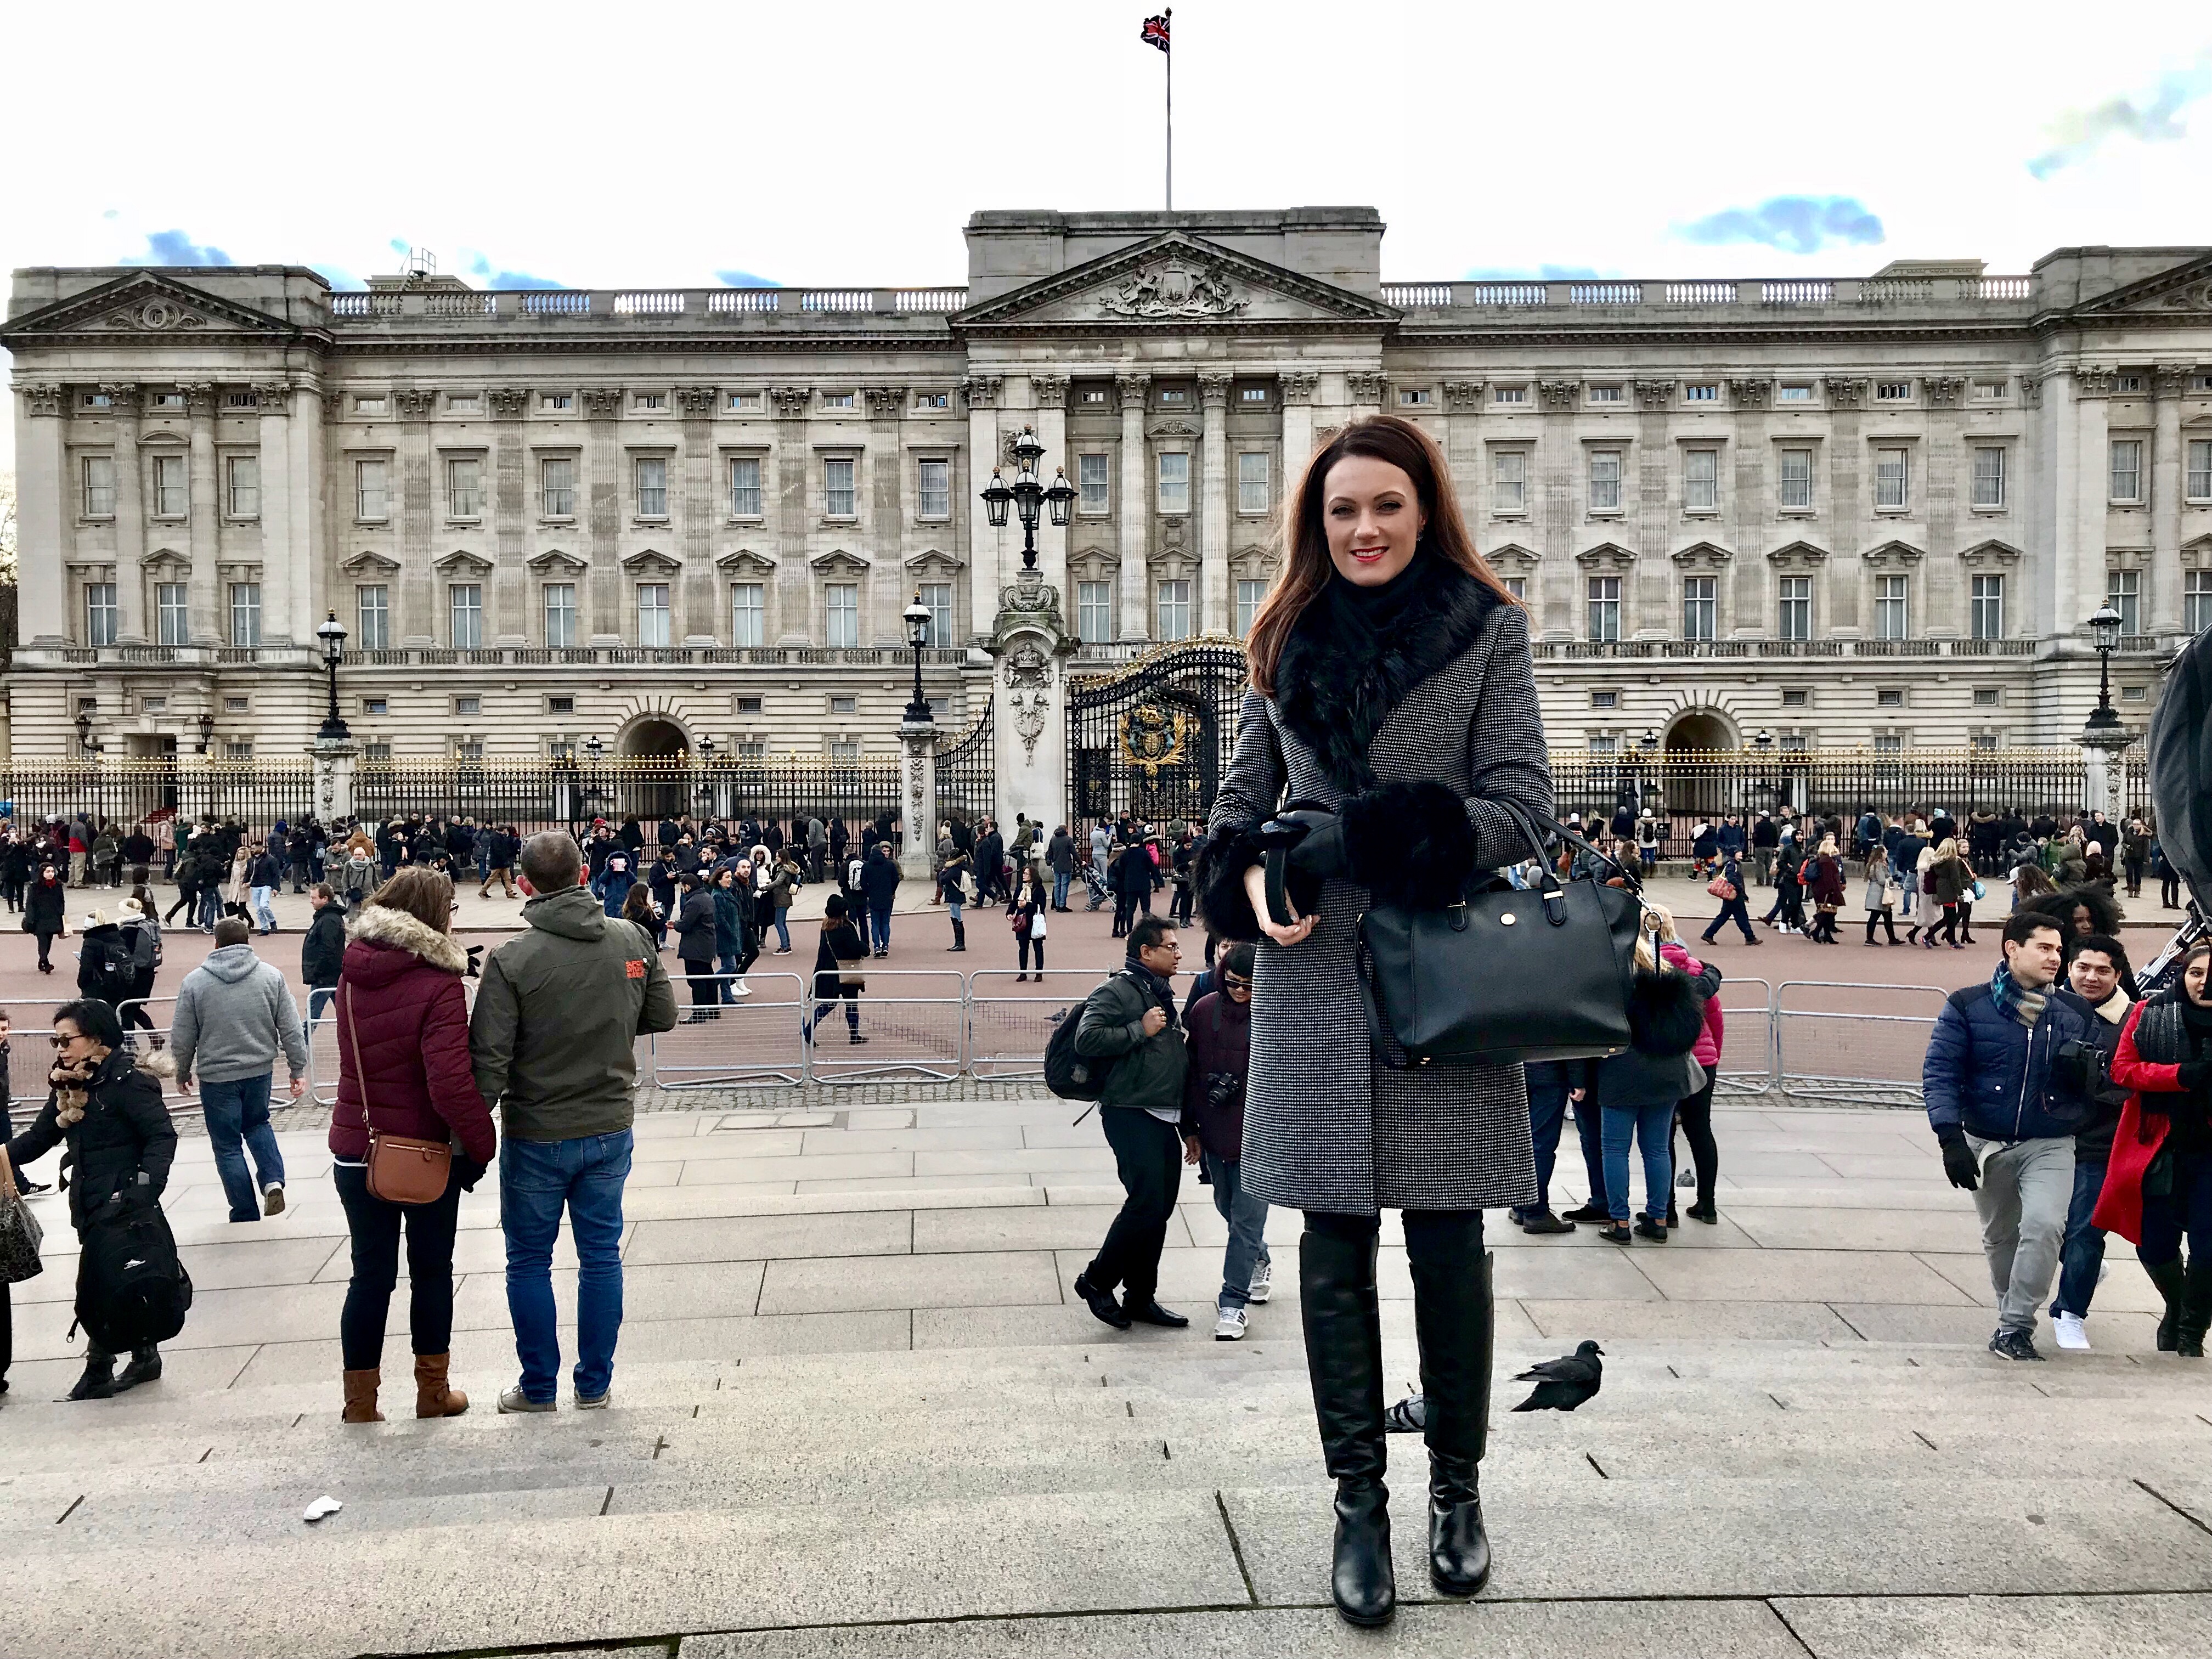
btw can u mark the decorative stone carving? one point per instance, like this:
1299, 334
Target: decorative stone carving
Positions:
1051, 390
1989, 555
2169, 380
1173, 429
1323, 435
1800, 557
1750, 394
157, 313
981, 390
1464, 395
412, 405
1943, 390
1131, 390
1364, 386
696, 401
1213, 391
886, 403
1703, 558
2094, 381
602, 403
2031, 390
1180, 288
275, 397
1298, 387
1606, 559
1560, 394
41, 397
508, 402
122, 398
791, 403
1894, 557
199, 396
1655, 394
1848, 392
333, 404
1029, 676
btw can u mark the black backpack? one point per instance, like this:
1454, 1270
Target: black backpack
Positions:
109, 962
132, 1288
1068, 1074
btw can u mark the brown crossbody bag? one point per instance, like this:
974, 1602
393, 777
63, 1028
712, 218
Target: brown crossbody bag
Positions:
401, 1168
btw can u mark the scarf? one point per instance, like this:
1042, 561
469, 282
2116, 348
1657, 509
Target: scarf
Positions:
2015, 999
1157, 988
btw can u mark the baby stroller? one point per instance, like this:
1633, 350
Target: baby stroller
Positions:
1097, 884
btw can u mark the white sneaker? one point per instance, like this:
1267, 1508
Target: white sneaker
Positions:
1263, 1281
273, 1198
741, 990
1228, 1325
2070, 1333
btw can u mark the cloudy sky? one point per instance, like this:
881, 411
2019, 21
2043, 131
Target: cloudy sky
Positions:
685, 145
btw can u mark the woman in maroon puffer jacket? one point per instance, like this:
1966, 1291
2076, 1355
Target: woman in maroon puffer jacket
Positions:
403, 1039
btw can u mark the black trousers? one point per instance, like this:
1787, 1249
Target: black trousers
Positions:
1694, 1117
1148, 1154
375, 1228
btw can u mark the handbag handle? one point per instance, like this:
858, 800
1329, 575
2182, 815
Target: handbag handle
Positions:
7, 1175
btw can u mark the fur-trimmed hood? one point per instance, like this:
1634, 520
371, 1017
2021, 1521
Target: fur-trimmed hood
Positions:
1336, 698
394, 929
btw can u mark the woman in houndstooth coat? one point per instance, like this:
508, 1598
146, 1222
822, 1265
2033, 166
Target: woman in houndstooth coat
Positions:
1392, 684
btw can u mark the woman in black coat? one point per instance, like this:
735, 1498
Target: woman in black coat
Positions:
838, 952
43, 906
1392, 684
120, 1144
695, 948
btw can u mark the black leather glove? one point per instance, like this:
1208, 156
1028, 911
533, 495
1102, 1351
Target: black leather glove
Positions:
476, 960
2194, 1072
467, 1171
1959, 1160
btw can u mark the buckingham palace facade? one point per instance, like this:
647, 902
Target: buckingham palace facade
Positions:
1854, 512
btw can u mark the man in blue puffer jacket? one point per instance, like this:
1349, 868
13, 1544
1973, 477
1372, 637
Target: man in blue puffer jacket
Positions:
2007, 1079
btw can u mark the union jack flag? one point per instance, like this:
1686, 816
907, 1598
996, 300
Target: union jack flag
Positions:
1156, 30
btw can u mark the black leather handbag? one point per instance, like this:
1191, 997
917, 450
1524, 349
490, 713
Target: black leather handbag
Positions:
1508, 974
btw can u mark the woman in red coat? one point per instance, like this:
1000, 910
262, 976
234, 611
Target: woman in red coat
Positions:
402, 1038
2158, 1184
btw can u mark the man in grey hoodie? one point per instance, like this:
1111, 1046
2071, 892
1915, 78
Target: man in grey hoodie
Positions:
233, 1012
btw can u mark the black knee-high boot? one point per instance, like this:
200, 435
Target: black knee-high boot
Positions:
1453, 1317
2196, 1309
1343, 1358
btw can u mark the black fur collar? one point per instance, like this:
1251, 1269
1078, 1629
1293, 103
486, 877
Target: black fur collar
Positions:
1336, 700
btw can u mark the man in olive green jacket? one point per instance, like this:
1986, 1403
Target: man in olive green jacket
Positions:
1131, 1016
553, 1038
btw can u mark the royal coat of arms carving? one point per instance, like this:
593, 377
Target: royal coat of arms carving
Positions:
1176, 290
1154, 738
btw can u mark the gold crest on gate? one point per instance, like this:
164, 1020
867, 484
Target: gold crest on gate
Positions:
1152, 739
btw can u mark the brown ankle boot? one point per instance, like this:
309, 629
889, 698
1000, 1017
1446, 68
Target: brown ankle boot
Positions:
360, 1396
432, 1397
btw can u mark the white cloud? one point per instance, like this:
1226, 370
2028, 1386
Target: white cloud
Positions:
848, 145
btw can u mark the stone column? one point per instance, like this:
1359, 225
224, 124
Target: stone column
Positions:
334, 768
1751, 508
885, 534
1134, 509
918, 775
2168, 381
410, 504
203, 622
47, 492
2101, 748
601, 622
987, 554
1463, 446
696, 621
309, 540
1297, 390
1051, 394
279, 554
1213, 506
131, 512
1848, 608
2076, 583
1652, 615
1942, 607
508, 603
1030, 645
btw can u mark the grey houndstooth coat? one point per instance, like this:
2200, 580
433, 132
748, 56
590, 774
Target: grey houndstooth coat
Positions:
1327, 1126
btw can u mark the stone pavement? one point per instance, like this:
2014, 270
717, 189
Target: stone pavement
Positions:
858, 1412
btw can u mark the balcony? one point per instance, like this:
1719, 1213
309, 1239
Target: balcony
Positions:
633, 656
1584, 650
1843, 296
536, 311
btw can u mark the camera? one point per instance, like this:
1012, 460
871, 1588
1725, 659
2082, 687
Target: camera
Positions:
1225, 1090
2078, 1068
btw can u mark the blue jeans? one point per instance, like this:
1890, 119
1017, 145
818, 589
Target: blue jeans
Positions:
783, 929
263, 912
1060, 881
1652, 1125
728, 966
536, 1179
1547, 1115
879, 925
2082, 1253
209, 906
1247, 1217
1734, 911
239, 1110
1589, 1127
319, 997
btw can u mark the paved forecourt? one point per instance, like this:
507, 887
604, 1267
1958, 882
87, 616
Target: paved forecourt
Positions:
857, 1411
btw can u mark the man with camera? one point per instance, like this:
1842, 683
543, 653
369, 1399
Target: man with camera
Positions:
1220, 1024
2010, 1074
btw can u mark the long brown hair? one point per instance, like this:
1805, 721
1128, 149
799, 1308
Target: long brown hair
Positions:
1305, 567
422, 892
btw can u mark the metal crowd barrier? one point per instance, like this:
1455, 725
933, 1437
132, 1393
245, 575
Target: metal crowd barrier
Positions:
1010, 1022
754, 1041
1853, 1058
1746, 1030
910, 1033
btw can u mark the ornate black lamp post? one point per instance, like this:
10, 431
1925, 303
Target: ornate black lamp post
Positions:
87, 745
917, 618
2104, 625
594, 751
332, 636
207, 731
1027, 494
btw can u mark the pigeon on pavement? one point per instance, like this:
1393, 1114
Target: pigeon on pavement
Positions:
1563, 1384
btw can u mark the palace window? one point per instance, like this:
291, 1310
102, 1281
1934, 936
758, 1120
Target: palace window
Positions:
1604, 608
2127, 471
1794, 392
1508, 394
1094, 612
748, 613
1891, 479
1889, 696
1608, 394
1175, 609
932, 400
99, 486
837, 492
371, 609
465, 601
837, 400
1252, 493
1986, 696
1518, 587
1508, 480
171, 614
650, 401
845, 752
936, 599
844, 614
1889, 613
933, 484
557, 402
2123, 592
1090, 481
1701, 607
241, 400
1797, 480
745, 487
653, 486
1701, 480
745, 400
1175, 482
2196, 600
168, 400
245, 613
1795, 602
557, 488
245, 482
1605, 480
1892, 392
465, 488
2200, 469
1250, 592
371, 502
652, 613
1988, 477
1702, 391
1412, 396
99, 613
1987, 618
559, 613
172, 494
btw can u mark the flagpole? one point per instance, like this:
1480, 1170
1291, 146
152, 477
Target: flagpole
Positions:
1169, 55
